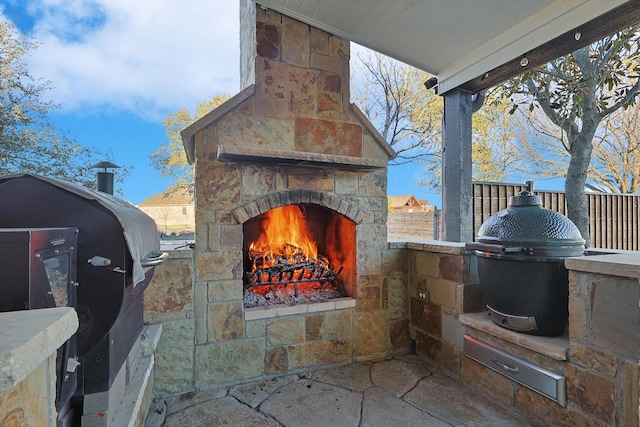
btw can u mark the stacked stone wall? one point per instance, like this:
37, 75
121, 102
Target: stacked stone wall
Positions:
442, 284
600, 356
604, 346
32, 401
169, 300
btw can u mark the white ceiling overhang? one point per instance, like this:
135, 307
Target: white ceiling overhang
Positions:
456, 40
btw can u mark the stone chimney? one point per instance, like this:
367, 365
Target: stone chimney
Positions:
290, 137
295, 99
296, 68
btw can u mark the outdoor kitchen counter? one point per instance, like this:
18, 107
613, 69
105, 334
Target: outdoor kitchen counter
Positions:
29, 337
622, 264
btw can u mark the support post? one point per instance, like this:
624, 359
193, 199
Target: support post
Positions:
457, 209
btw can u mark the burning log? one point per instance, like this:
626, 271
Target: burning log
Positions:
302, 272
278, 278
289, 255
285, 265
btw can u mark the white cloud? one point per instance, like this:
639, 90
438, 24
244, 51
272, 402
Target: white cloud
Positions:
148, 57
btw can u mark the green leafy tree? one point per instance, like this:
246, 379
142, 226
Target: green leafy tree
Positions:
29, 143
576, 93
170, 158
494, 153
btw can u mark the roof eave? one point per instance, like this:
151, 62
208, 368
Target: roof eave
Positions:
609, 23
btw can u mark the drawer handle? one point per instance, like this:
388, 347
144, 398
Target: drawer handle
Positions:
505, 366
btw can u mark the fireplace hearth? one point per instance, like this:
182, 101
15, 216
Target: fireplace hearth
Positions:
293, 292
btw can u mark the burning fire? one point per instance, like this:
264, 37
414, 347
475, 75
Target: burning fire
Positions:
286, 266
285, 240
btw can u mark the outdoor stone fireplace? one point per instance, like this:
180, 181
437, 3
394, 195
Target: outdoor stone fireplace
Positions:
289, 140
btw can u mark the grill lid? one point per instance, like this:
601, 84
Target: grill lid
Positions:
526, 227
139, 230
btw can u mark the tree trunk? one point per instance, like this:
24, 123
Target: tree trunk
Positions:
577, 210
581, 143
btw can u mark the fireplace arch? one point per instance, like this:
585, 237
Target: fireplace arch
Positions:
277, 199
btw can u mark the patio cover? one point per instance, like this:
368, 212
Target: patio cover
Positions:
467, 44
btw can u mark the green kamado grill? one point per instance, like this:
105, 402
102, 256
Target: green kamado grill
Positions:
520, 253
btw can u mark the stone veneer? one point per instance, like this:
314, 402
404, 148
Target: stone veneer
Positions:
29, 340
442, 283
600, 356
289, 137
433, 299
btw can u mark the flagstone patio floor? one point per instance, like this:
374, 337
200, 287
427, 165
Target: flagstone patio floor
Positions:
403, 391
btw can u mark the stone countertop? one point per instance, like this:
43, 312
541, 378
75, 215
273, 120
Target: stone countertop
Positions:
622, 264
437, 246
29, 337
554, 347
603, 261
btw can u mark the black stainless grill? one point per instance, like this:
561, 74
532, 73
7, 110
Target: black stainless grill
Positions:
117, 247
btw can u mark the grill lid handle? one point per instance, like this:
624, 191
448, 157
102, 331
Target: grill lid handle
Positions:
494, 249
154, 259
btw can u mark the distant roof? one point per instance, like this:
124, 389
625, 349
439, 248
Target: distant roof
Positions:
400, 201
170, 197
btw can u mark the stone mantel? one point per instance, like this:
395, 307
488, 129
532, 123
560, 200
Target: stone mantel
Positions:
228, 153
29, 337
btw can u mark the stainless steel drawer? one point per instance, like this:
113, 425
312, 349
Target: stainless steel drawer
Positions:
537, 378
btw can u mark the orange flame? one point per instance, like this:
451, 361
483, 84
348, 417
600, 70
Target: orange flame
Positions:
284, 234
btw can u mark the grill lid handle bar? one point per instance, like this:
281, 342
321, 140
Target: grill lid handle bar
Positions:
154, 259
494, 249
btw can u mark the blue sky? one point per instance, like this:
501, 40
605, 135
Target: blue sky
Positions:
118, 67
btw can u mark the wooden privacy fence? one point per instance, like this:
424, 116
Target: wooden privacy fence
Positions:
613, 217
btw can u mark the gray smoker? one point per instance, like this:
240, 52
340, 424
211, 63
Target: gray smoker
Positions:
521, 252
